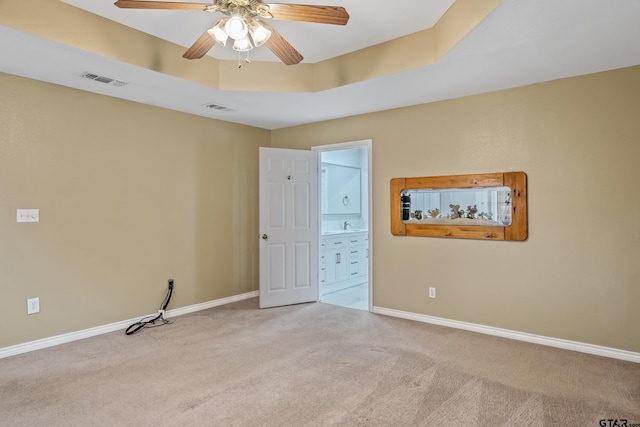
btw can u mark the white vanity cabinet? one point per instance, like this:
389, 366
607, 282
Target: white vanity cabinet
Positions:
358, 255
343, 261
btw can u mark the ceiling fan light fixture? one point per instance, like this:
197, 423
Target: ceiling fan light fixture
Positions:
218, 32
259, 33
242, 45
236, 27
239, 23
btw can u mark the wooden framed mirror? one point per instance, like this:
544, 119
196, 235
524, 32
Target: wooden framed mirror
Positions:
490, 206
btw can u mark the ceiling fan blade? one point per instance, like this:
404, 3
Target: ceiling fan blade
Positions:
200, 47
144, 4
281, 48
309, 13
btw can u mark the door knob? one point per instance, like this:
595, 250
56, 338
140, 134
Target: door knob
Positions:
265, 237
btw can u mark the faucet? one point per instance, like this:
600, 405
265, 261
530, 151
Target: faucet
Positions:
346, 224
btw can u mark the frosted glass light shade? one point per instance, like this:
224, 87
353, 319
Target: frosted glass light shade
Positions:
236, 27
259, 33
218, 32
242, 45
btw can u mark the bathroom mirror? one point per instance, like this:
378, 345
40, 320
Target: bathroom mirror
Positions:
481, 206
340, 189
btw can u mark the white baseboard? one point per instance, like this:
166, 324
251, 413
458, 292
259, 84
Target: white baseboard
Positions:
488, 330
210, 304
520, 336
112, 327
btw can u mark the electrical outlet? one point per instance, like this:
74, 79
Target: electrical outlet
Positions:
33, 305
432, 292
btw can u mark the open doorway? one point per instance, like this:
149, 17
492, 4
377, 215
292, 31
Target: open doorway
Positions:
345, 223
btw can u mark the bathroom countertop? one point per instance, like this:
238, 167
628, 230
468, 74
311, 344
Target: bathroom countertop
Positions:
338, 232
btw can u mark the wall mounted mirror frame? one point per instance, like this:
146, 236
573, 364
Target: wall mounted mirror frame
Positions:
516, 230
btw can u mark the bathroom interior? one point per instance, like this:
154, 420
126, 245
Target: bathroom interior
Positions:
344, 252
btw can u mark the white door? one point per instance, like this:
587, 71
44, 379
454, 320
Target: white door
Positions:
288, 226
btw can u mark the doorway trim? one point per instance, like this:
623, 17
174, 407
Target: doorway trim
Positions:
368, 144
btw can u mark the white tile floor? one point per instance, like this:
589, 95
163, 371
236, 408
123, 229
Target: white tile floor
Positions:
353, 297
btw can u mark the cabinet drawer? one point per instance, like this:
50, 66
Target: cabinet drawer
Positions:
356, 240
338, 242
354, 269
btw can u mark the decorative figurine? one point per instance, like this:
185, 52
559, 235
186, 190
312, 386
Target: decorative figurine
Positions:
434, 213
486, 215
417, 214
472, 211
456, 212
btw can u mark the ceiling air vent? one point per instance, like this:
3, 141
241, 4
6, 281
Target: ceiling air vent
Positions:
219, 107
103, 79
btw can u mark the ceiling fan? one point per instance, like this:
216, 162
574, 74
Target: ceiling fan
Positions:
245, 23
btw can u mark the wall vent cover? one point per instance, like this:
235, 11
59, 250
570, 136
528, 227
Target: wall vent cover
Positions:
103, 79
219, 107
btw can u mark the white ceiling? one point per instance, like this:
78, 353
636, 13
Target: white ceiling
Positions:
317, 42
521, 42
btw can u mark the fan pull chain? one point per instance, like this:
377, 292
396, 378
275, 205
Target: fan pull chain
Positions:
247, 60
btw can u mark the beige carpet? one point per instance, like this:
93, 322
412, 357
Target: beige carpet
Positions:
311, 365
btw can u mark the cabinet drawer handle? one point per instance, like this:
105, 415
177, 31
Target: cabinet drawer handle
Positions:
354, 262
353, 274
354, 252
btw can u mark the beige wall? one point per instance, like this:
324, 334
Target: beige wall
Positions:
132, 195
129, 196
577, 277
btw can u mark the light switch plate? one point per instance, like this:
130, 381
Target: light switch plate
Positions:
28, 215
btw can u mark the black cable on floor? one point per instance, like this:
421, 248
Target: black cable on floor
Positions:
146, 322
